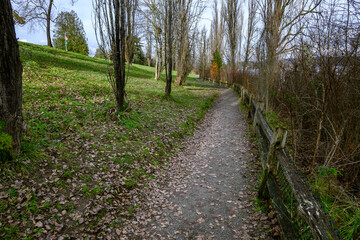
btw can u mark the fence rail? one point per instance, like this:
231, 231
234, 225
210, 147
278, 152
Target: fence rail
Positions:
300, 214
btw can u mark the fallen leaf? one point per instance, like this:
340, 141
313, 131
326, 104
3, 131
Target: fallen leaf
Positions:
39, 224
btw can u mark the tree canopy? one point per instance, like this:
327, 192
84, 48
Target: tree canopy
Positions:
69, 24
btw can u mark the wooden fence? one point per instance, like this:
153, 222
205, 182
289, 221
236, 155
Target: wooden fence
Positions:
300, 213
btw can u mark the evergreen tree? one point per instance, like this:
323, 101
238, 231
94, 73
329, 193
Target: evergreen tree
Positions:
139, 56
217, 59
99, 53
69, 24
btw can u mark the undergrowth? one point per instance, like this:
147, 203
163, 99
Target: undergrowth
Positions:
343, 207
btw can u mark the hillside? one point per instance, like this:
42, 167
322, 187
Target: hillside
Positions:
83, 164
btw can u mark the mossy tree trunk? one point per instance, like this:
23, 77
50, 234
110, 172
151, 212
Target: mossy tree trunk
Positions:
10, 77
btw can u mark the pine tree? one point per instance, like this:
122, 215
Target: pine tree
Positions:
69, 24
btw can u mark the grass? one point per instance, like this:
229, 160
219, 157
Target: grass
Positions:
344, 209
75, 135
274, 121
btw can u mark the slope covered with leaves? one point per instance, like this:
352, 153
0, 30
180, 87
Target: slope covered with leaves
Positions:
82, 163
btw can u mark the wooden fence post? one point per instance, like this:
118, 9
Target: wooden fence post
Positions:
259, 109
250, 104
242, 95
271, 165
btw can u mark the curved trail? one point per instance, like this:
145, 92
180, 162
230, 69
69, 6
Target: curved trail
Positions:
207, 190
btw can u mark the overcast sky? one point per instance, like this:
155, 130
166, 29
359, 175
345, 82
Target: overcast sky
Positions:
83, 8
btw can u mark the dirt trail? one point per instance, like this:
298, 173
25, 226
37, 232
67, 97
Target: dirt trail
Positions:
207, 190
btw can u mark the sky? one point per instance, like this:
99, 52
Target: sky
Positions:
83, 8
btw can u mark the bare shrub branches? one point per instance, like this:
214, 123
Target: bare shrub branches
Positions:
109, 23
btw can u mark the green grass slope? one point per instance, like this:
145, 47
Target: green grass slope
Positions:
82, 163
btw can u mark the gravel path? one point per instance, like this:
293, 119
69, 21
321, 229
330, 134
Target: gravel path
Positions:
207, 191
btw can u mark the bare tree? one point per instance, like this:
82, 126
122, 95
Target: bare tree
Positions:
217, 34
155, 14
240, 33
131, 8
336, 40
233, 25
110, 28
202, 53
217, 30
148, 45
251, 24
280, 18
36, 12
188, 15
185, 16
10, 77
319, 91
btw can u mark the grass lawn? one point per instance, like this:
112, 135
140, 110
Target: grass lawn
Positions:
83, 163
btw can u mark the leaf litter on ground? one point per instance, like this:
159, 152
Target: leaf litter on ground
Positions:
83, 166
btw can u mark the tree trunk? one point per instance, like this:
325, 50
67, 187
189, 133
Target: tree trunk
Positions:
271, 73
250, 32
169, 53
130, 38
183, 58
149, 46
320, 128
119, 53
121, 81
158, 62
10, 77
48, 23
246, 61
